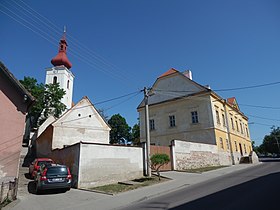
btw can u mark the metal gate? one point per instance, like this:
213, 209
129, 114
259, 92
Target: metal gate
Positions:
163, 150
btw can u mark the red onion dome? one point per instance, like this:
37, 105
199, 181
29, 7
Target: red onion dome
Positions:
61, 58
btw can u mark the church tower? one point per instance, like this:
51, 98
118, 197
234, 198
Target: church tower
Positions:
60, 72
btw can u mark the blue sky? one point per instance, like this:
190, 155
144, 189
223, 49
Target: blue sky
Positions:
119, 47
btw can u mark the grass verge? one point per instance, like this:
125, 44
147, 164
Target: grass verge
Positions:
119, 187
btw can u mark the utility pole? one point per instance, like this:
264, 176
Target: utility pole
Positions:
149, 172
276, 138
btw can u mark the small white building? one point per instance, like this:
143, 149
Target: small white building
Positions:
80, 140
80, 123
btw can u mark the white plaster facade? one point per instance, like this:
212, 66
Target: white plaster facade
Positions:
81, 123
65, 78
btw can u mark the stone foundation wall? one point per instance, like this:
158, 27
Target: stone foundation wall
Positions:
196, 160
196, 155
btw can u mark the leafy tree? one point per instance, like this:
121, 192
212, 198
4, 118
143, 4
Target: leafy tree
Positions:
157, 161
271, 142
47, 101
120, 130
135, 134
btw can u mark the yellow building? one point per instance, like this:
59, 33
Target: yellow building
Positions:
181, 109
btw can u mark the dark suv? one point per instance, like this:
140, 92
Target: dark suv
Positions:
53, 176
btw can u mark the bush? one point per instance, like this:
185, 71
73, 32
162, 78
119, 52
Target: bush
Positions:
157, 161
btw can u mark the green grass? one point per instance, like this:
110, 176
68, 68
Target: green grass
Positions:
203, 169
118, 188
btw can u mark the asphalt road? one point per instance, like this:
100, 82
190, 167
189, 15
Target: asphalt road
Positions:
256, 188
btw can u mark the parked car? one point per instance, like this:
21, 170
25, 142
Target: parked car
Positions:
36, 164
53, 176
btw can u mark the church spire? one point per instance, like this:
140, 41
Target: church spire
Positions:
61, 59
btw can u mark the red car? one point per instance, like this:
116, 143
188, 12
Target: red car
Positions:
36, 164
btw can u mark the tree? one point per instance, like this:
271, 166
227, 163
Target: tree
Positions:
157, 161
271, 142
135, 134
48, 101
120, 130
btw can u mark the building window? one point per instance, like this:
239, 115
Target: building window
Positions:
227, 141
232, 124
224, 120
68, 82
236, 148
218, 117
241, 128
247, 132
152, 124
54, 80
194, 117
237, 128
221, 143
245, 150
172, 121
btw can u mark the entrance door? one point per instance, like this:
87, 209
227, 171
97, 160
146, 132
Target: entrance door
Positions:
240, 147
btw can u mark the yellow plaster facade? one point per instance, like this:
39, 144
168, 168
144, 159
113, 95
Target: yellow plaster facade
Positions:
197, 115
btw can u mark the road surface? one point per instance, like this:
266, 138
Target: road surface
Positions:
256, 188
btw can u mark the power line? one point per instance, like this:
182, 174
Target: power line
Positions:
263, 124
264, 118
88, 57
257, 106
219, 90
119, 97
109, 100
122, 101
247, 87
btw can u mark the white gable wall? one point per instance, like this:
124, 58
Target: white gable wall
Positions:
165, 89
173, 86
81, 123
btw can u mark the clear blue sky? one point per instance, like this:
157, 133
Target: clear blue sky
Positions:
118, 47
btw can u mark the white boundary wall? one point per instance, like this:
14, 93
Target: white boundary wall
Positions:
105, 164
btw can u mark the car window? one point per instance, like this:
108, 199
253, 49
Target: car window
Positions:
44, 163
57, 170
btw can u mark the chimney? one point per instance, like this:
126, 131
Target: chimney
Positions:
188, 74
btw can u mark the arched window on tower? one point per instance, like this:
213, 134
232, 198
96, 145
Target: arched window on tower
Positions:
61, 47
54, 80
68, 82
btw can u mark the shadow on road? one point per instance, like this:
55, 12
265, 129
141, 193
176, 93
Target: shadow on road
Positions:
258, 194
